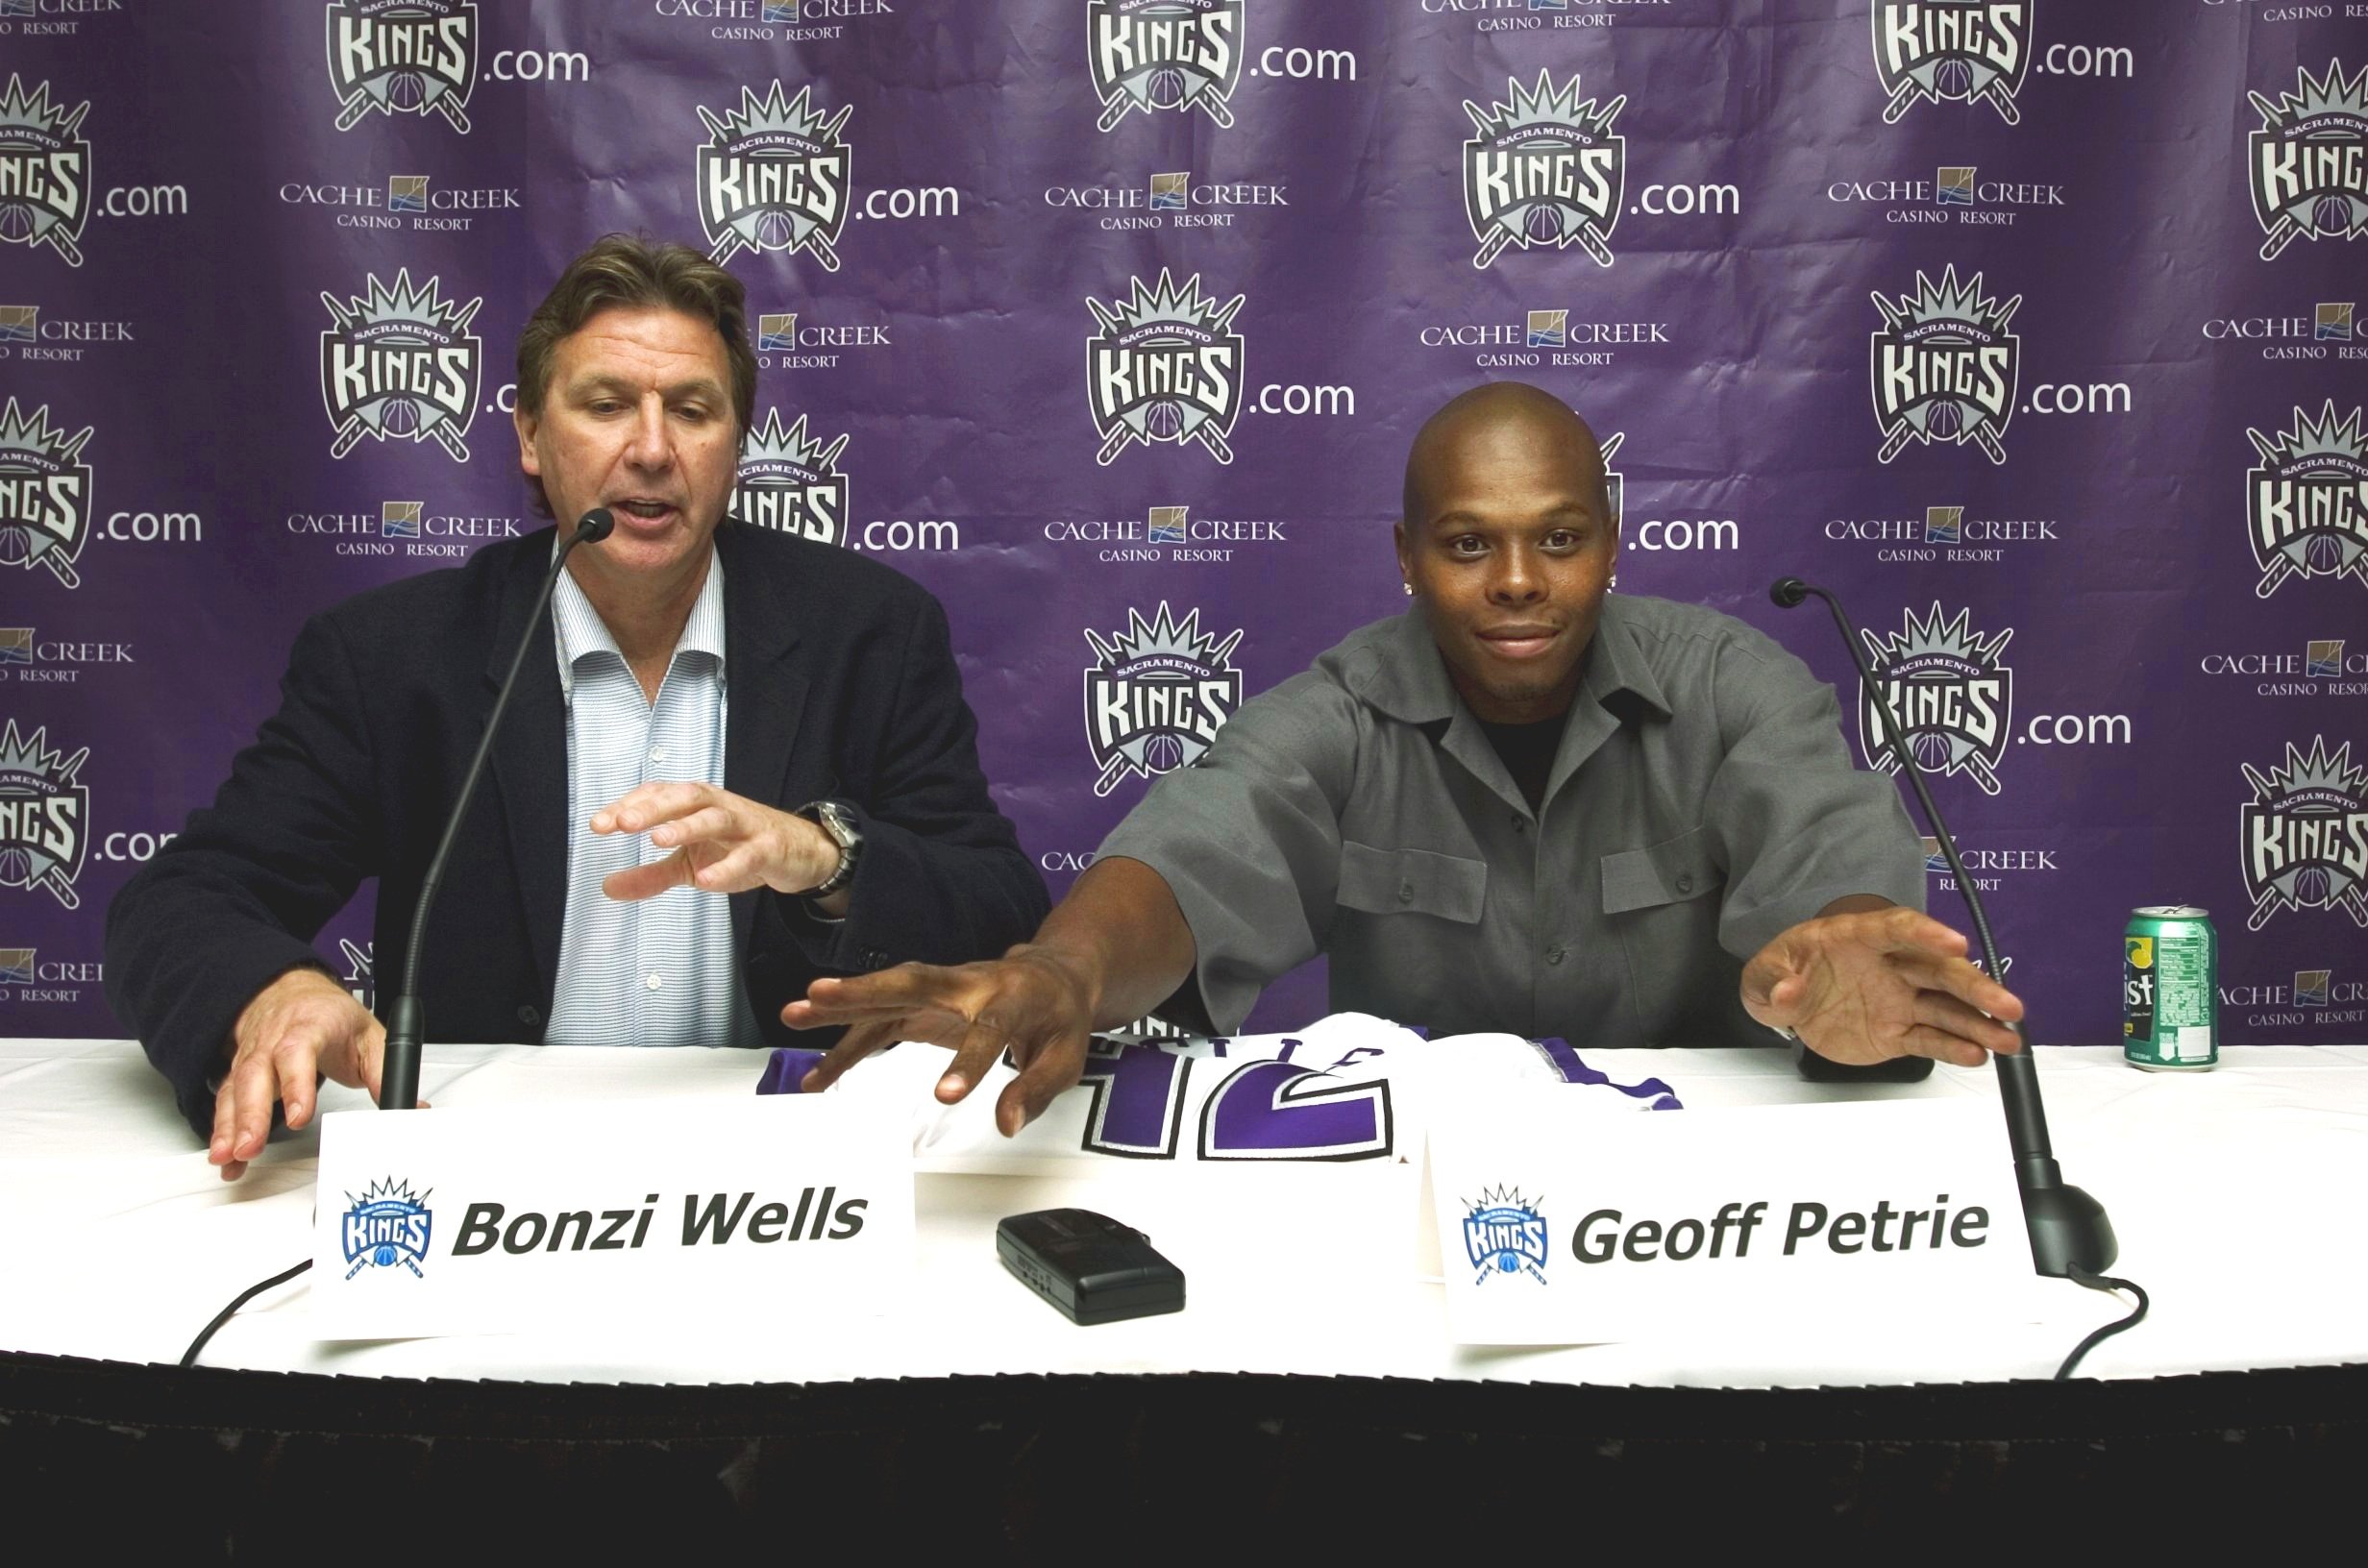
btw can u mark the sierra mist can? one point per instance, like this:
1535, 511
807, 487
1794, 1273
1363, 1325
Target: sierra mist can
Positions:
2170, 990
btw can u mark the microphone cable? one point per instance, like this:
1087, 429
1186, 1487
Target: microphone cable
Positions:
2101, 1282
188, 1357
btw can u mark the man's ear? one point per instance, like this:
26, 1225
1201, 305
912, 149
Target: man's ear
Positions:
527, 424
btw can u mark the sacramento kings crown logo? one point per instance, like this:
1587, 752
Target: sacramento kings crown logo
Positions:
1952, 699
1952, 51
2307, 501
2310, 163
400, 364
1156, 696
44, 172
1544, 168
773, 177
1944, 366
44, 494
2306, 833
1166, 366
359, 962
1505, 1233
1153, 55
403, 57
792, 483
386, 1225
44, 816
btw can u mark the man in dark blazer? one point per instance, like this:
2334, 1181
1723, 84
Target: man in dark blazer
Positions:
844, 824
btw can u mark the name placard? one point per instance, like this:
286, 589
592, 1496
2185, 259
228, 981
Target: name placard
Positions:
495, 1219
1559, 1225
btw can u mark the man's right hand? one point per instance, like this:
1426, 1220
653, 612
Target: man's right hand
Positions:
1035, 1002
300, 1026
1108, 952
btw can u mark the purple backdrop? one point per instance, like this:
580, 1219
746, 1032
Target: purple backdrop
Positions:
2027, 326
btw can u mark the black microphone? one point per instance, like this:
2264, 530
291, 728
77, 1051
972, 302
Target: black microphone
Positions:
406, 1023
2068, 1229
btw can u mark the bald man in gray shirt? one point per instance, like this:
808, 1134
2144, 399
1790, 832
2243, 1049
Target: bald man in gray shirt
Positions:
1523, 805
1694, 802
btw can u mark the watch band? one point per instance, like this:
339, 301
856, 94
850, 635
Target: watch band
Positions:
836, 820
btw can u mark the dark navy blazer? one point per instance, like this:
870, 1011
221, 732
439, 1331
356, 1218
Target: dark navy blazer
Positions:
843, 686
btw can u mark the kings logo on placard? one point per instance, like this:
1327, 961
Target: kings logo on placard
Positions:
1952, 51
386, 1225
773, 175
1947, 692
2306, 833
403, 57
1944, 366
1155, 55
44, 171
44, 816
44, 494
2309, 159
1544, 169
2307, 501
1156, 695
401, 364
791, 482
1505, 1233
1165, 366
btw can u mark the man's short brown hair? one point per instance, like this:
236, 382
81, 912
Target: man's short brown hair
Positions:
635, 272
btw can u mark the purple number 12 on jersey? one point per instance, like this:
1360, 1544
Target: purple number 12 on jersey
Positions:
1262, 1110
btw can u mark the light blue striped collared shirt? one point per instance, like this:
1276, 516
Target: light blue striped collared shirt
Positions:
661, 970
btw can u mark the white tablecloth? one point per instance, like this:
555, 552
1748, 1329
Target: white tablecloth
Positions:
2231, 1191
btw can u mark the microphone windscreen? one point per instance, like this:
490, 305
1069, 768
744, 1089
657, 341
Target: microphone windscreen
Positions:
1788, 591
595, 525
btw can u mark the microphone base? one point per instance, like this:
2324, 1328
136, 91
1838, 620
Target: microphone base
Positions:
1899, 1069
2067, 1227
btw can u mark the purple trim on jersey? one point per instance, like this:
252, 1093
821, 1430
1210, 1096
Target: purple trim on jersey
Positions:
1567, 1063
786, 1070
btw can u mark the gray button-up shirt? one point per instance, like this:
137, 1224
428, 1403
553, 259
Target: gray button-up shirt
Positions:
1702, 801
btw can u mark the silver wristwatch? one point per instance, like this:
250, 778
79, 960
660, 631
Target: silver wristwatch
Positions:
839, 822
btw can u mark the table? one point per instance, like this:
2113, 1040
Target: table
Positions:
2230, 1191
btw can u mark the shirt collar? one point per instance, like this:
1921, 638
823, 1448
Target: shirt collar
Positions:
580, 633
1407, 679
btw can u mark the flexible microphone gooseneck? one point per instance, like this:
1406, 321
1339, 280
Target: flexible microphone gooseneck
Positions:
406, 1022
2068, 1229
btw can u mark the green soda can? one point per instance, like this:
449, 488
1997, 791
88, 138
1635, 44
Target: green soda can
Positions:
2170, 990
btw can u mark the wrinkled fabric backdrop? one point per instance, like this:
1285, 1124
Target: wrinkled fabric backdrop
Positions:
2027, 326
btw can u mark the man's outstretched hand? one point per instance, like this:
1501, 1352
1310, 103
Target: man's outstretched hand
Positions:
302, 1027
1866, 986
1033, 1002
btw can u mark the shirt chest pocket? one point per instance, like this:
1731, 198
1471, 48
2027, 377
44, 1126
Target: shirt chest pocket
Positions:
1412, 882
1667, 873
1661, 899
